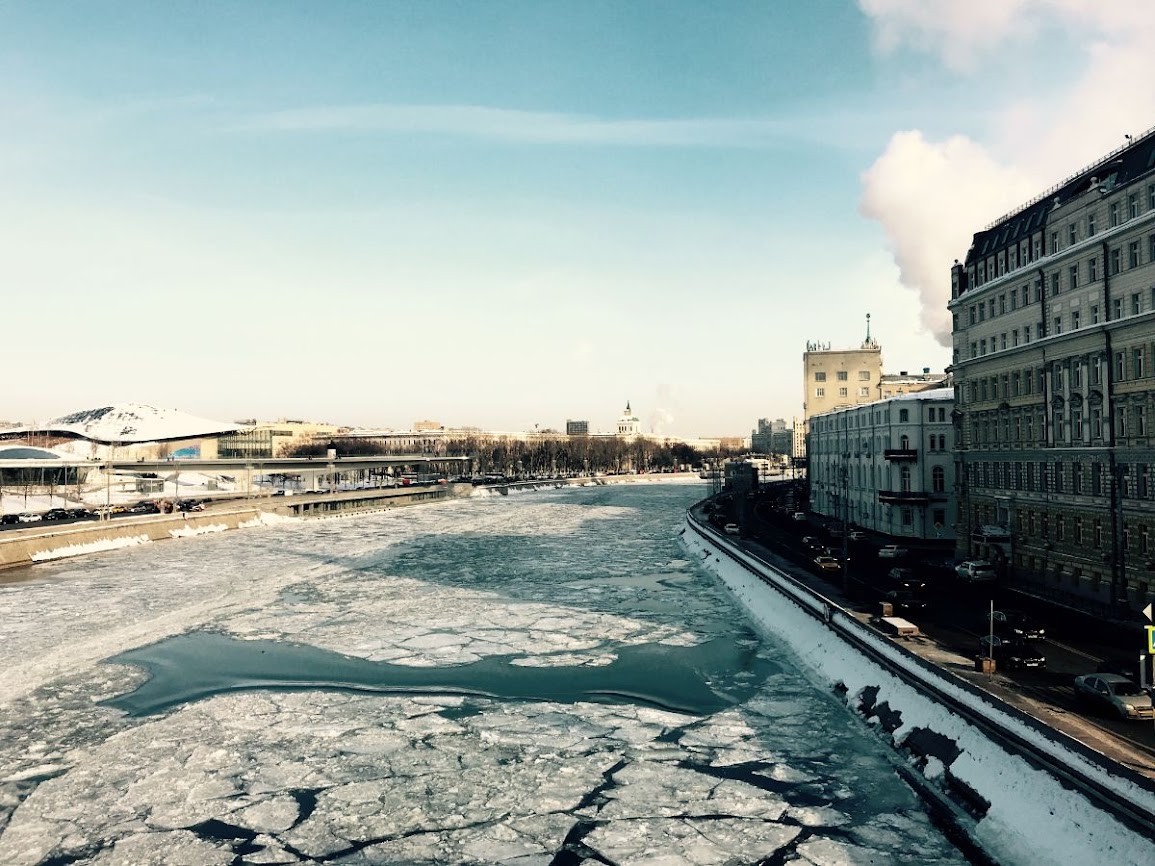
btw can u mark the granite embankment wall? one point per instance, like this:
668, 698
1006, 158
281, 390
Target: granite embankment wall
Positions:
1018, 790
41, 542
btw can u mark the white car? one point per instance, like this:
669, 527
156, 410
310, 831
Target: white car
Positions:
892, 551
731, 529
30, 517
800, 516
975, 571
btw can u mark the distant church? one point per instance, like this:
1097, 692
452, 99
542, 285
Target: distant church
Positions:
629, 424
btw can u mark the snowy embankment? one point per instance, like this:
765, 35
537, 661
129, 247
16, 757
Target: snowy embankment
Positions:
1009, 776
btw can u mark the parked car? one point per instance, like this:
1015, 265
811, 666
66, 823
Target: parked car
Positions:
1114, 694
905, 578
1012, 654
857, 535
29, 517
800, 516
975, 571
811, 542
732, 529
1016, 624
905, 601
892, 551
827, 563
6, 519
79, 512
56, 514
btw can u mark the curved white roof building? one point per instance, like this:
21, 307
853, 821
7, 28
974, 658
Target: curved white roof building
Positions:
128, 423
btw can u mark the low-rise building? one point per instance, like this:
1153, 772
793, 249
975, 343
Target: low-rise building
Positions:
887, 466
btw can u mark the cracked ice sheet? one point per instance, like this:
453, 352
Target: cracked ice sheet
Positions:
382, 769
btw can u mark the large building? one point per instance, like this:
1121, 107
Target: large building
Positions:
1054, 347
887, 466
772, 437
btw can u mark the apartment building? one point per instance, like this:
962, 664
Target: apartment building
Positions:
1054, 343
888, 466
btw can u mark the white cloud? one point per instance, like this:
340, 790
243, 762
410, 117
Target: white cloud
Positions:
931, 196
537, 127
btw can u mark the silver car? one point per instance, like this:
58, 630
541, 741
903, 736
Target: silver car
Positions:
1116, 695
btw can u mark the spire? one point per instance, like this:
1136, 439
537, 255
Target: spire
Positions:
628, 407
868, 343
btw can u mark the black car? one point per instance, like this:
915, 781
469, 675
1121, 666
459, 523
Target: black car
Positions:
79, 513
1013, 654
1014, 624
905, 601
56, 514
6, 519
905, 578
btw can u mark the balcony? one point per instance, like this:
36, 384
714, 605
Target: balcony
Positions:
900, 454
903, 497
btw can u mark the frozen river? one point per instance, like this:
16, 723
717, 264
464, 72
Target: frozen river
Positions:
535, 679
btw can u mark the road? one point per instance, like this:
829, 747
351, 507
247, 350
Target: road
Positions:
951, 626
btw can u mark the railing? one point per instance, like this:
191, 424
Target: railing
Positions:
911, 496
900, 453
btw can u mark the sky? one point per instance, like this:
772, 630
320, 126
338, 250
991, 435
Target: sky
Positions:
513, 213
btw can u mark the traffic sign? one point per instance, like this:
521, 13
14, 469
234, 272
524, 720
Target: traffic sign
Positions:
1147, 613
1150, 638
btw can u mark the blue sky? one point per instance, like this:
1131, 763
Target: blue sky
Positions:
507, 214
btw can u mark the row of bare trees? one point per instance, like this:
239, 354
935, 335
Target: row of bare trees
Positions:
546, 456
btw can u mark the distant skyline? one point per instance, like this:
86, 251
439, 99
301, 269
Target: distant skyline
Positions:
510, 214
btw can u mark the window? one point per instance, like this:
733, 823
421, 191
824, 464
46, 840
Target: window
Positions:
1135, 305
1054, 284
938, 479
1026, 333
1137, 364
1058, 325
1132, 206
1003, 342
982, 347
1117, 308
1120, 423
974, 315
1027, 293
1115, 259
819, 392
1133, 254
864, 392
1002, 304
903, 415
1114, 210
1090, 224
1094, 314
1140, 420
1076, 427
1096, 424
863, 375
1071, 234
1074, 276
819, 377
1054, 241
1119, 366
907, 517
1015, 337
1076, 373
1092, 269
904, 479
841, 392
1151, 197
1074, 320
842, 376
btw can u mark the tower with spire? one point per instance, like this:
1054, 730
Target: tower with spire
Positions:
629, 424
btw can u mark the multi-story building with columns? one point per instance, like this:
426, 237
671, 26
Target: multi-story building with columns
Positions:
1054, 355
887, 466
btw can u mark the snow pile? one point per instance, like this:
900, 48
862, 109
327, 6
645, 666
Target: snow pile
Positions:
90, 547
203, 529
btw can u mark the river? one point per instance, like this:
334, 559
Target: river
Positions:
543, 678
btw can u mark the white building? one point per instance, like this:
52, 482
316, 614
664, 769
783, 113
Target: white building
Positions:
887, 466
629, 424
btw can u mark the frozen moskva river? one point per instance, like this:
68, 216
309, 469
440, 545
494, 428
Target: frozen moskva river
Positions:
534, 679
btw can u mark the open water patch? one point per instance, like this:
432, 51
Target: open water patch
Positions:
698, 680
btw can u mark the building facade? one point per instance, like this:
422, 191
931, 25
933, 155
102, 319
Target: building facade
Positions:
629, 424
837, 378
1054, 346
887, 466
